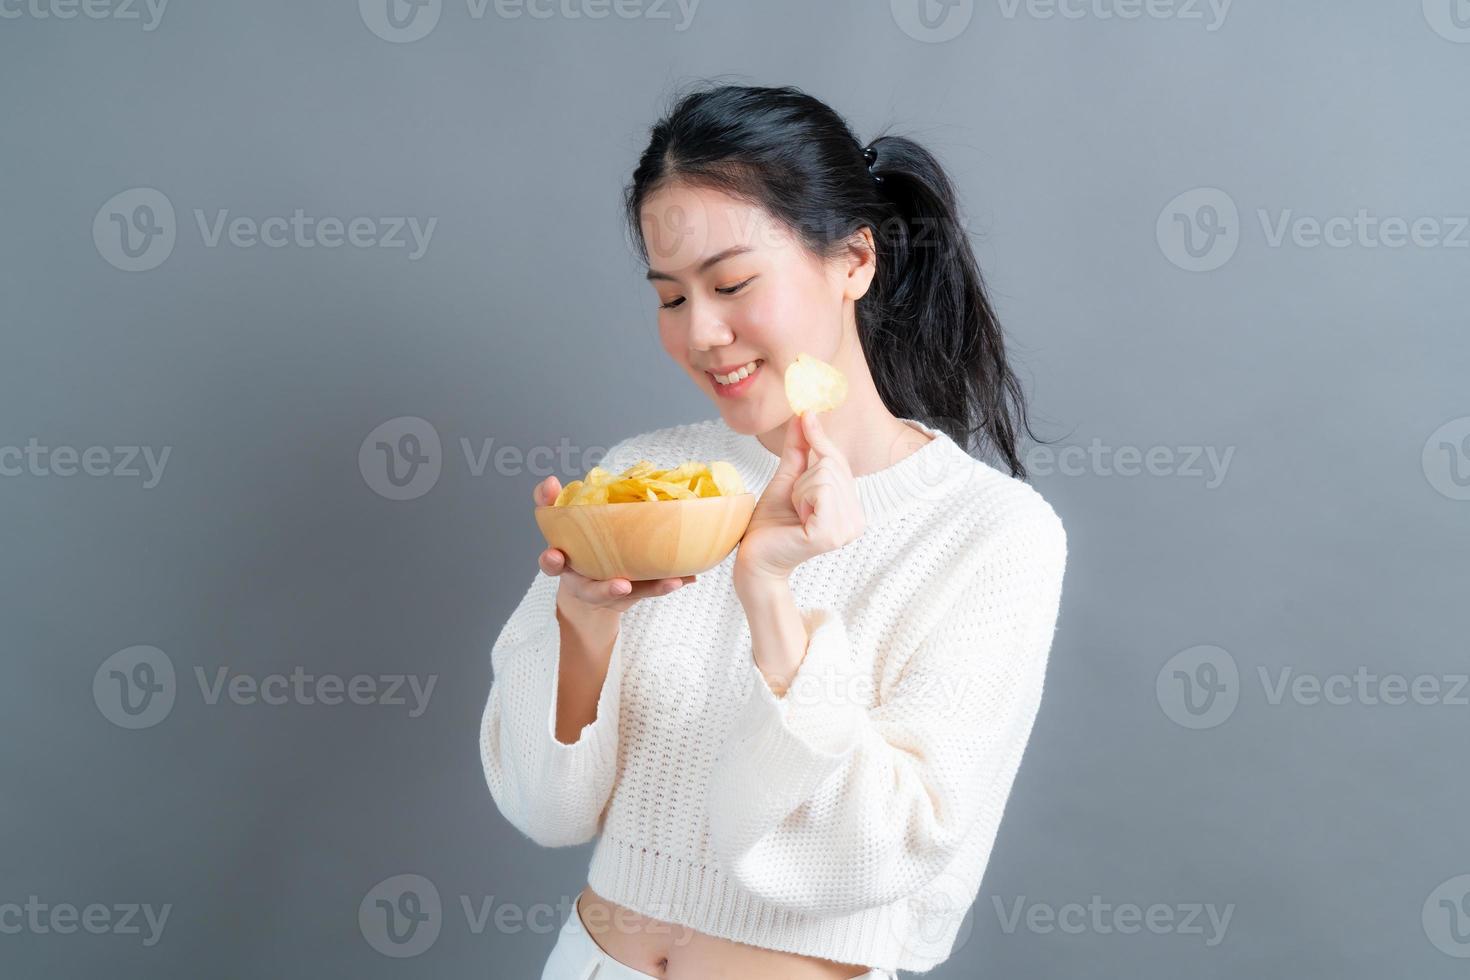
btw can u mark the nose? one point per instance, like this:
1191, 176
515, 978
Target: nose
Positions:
706, 329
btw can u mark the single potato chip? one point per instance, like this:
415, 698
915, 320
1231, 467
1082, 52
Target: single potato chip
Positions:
682, 473
725, 478
591, 495
676, 491
641, 468
813, 385
568, 492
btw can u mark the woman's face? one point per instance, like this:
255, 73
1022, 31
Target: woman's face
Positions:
734, 286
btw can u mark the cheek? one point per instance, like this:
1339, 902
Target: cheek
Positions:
780, 319
672, 341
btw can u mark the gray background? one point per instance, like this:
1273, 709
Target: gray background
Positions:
1335, 541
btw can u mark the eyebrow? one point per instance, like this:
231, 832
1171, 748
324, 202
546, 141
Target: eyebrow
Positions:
718, 257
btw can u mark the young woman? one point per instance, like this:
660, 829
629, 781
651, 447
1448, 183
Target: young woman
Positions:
794, 767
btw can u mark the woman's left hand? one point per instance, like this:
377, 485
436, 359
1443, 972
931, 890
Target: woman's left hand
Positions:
811, 506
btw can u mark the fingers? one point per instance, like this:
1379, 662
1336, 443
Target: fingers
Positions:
793, 451
608, 592
815, 490
612, 591
658, 587
796, 433
816, 436
552, 561
546, 492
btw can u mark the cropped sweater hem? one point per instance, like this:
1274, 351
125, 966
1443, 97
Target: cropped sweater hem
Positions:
699, 896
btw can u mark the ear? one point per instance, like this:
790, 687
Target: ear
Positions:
860, 264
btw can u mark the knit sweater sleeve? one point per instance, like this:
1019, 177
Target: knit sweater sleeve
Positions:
553, 792
822, 805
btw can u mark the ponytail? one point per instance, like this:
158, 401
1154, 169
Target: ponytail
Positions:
931, 338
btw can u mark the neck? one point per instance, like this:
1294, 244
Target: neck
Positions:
869, 435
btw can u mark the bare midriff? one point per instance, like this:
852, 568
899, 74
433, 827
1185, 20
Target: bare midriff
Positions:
675, 952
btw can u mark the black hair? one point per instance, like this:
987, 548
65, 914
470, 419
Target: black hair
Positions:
932, 341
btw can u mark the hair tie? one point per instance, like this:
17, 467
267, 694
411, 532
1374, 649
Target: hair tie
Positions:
870, 155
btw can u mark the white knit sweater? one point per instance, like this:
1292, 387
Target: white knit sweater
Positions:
852, 818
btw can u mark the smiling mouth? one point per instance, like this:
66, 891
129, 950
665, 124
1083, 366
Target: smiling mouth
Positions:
738, 375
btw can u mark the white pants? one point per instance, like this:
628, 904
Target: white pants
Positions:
578, 957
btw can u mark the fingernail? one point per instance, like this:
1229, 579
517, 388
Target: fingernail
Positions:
622, 588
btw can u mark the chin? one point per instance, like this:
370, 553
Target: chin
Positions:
745, 422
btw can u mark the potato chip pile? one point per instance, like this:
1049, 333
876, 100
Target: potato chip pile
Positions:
642, 482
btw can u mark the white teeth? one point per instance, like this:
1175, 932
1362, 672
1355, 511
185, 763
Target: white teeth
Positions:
744, 372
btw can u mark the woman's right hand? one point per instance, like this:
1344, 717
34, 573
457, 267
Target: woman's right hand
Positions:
578, 595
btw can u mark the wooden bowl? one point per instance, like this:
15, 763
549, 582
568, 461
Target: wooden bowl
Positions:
647, 540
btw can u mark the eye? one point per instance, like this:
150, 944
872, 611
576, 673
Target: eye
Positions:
732, 290
678, 301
